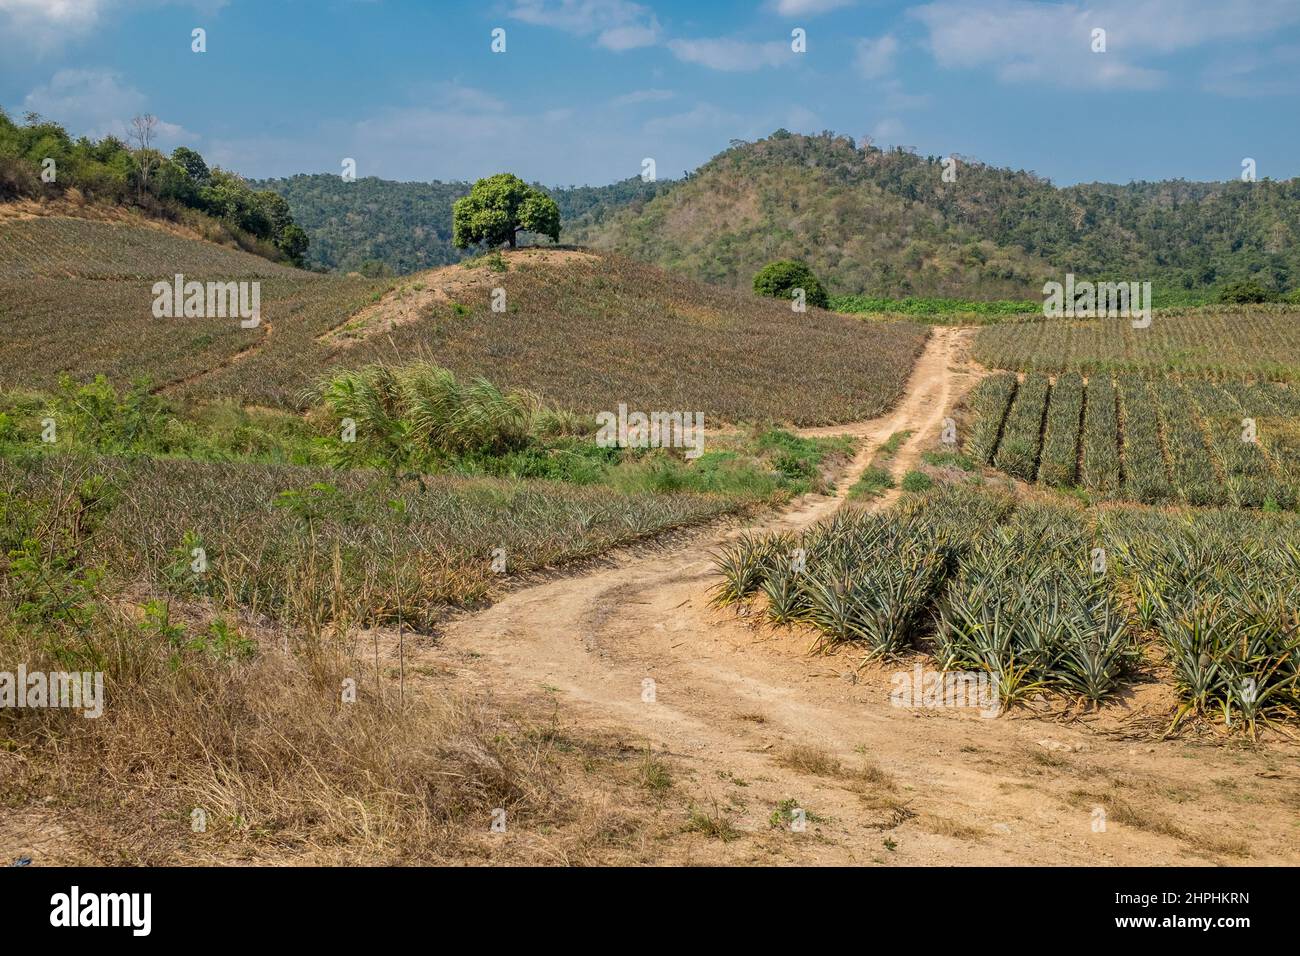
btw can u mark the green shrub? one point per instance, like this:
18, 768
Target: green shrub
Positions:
1246, 291
916, 481
403, 415
779, 280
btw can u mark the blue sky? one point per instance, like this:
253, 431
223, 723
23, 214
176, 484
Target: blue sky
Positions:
588, 88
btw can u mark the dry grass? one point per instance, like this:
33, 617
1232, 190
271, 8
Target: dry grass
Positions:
943, 826
803, 758
282, 767
1120, 810
711, 821
289, 773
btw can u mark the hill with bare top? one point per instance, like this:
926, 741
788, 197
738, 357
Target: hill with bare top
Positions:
585, 330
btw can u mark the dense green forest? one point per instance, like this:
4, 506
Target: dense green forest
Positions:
377, 226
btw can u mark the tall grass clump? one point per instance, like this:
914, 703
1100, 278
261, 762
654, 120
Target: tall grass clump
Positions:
403, 415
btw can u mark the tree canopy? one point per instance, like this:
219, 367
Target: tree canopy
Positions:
498, 207
108, 170
780, 279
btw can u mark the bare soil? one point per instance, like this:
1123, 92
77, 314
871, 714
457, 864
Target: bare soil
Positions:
749, 726
408, 302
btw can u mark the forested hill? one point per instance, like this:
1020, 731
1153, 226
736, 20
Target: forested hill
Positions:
886, 222
405, 227
867, 220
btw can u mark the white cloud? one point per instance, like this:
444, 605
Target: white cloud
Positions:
703, 116
643, 96
800, 8
617, 24
447, 138
897, 99
42, 26
619, 39
1051, 43
456, 97
724, 53
875, 58
800, 118
97, 103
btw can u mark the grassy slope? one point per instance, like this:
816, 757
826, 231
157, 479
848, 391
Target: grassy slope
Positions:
590, 335
76, 297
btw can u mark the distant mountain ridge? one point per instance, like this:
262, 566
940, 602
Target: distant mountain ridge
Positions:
883, 222
886, 222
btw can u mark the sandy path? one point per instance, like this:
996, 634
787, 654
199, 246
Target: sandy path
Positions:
733, 697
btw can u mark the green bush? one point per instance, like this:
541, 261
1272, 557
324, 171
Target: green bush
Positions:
1246, 291
917, 481
780, 279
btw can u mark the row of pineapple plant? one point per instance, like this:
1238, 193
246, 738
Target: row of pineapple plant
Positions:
989, 402
1032, 604
1060, 456
1154, 440
1099, 469
1250, 477
1193, 464
1223, 595
1146, 470
1247, 472
859, 577
856, 577
1022, 433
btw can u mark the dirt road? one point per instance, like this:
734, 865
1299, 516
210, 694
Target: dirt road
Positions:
752, 725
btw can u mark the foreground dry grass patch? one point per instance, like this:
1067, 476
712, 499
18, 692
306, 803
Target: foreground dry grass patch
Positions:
281, 767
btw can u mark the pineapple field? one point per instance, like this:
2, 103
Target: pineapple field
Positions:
75, 299
1047, 597
1217, 341
1152, 439
927, 496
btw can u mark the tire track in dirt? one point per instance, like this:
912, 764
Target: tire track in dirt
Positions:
734, 700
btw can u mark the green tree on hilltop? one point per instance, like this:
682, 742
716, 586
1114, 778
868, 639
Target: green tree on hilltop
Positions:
498, 207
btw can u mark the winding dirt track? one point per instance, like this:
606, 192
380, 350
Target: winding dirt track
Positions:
732, 697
